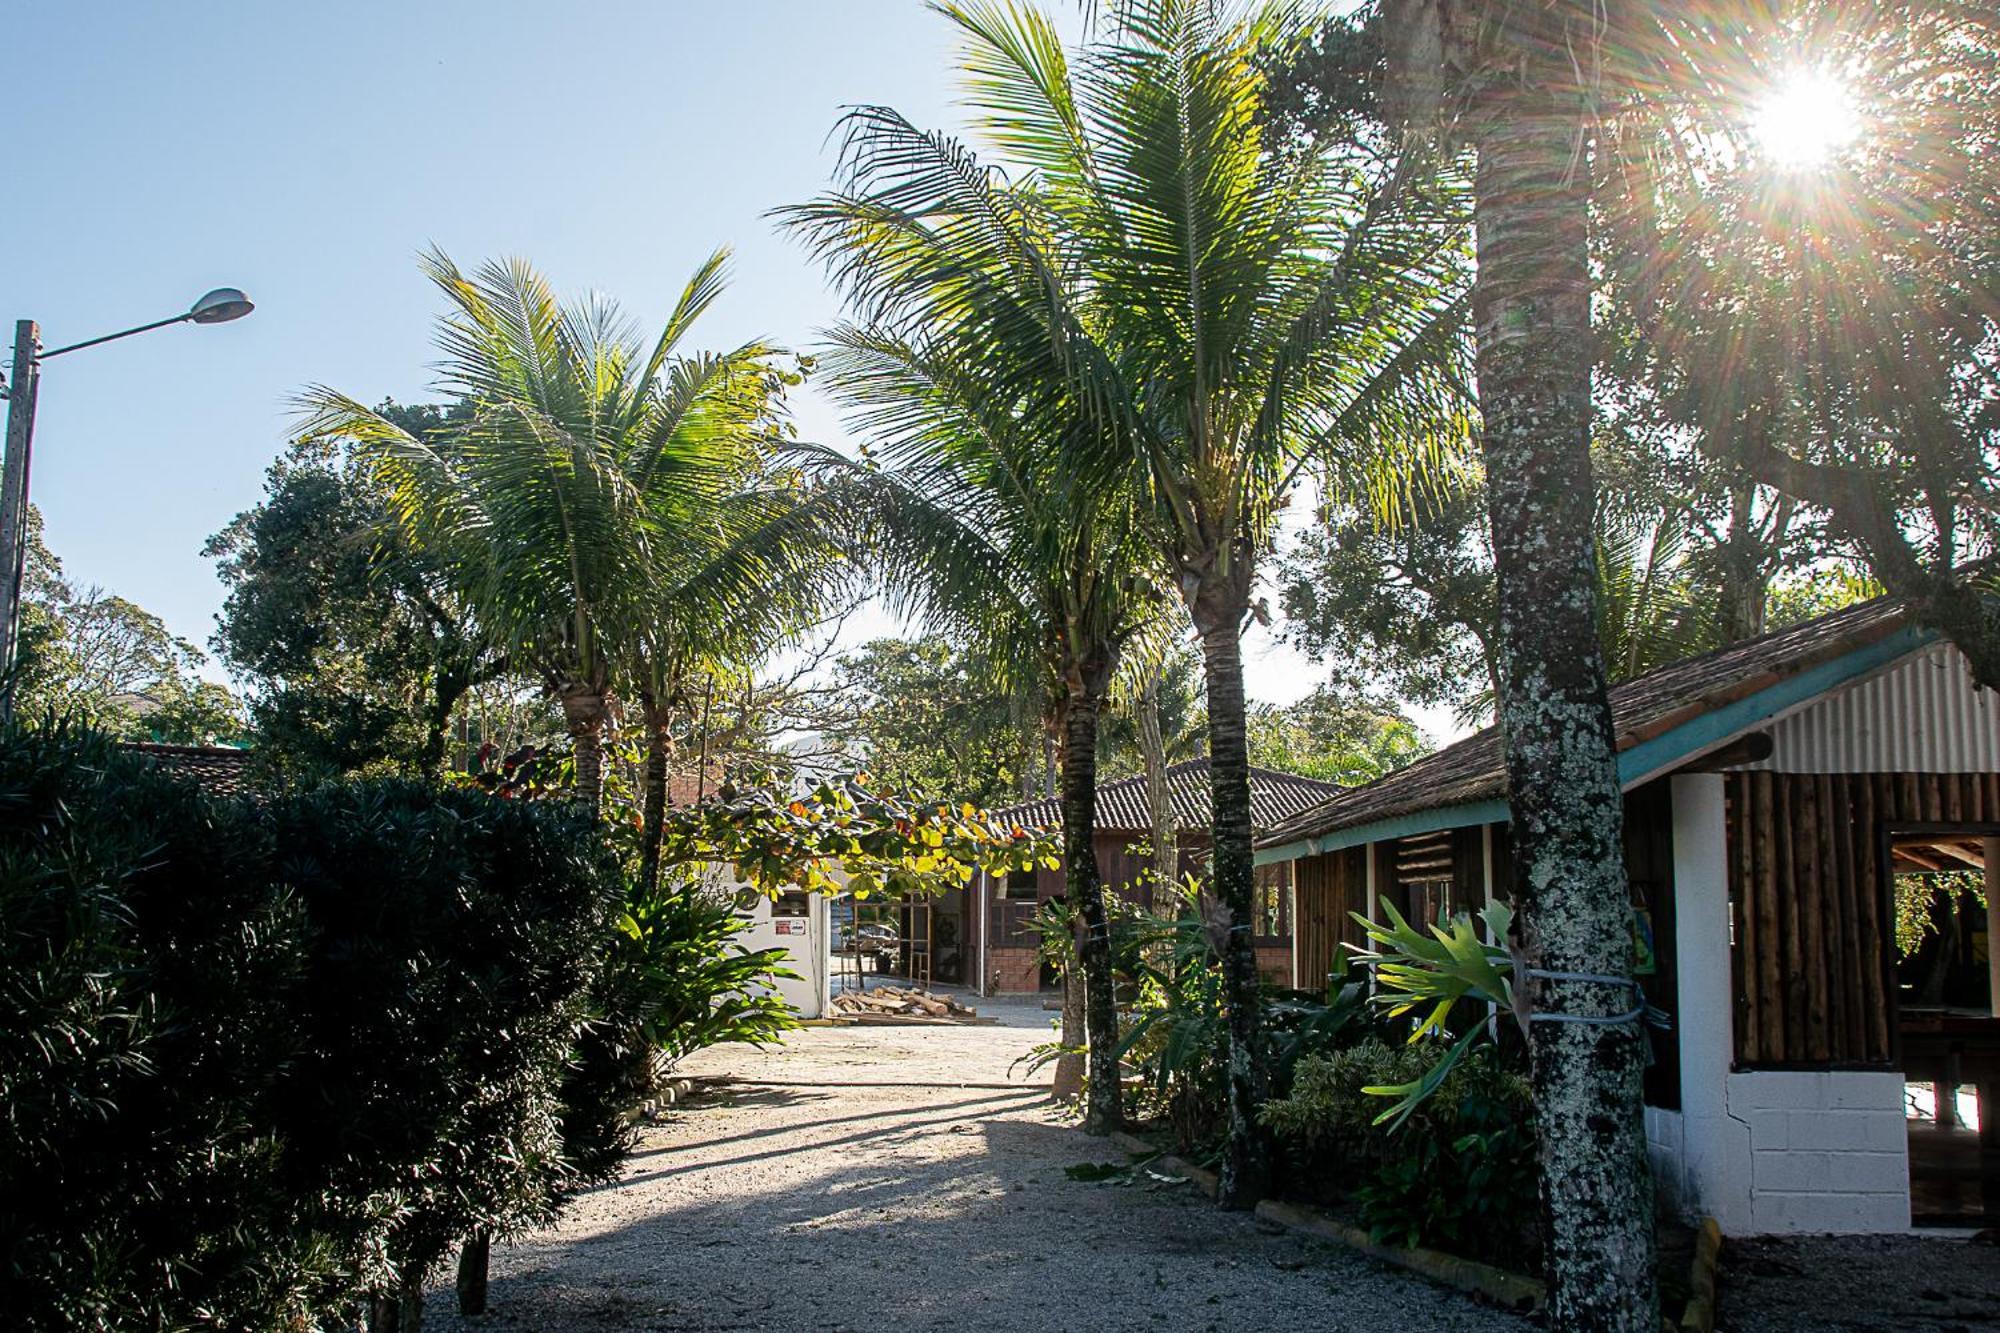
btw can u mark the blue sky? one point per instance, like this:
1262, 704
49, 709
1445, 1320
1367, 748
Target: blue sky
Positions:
306, 153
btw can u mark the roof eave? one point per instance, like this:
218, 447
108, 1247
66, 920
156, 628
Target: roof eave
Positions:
1644, 760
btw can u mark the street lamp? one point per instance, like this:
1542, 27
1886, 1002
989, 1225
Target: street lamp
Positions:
215, 307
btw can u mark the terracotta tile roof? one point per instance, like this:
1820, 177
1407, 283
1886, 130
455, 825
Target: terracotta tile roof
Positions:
218, 770
1641, 709
1122, 806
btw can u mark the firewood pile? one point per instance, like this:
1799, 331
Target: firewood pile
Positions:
897, 1002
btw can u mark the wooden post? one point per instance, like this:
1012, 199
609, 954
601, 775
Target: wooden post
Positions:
21, 385
1991, 848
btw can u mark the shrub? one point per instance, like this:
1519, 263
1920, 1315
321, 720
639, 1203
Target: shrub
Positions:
143, 1035
1458, 1173
453, 942
1178, 1039
257, 1058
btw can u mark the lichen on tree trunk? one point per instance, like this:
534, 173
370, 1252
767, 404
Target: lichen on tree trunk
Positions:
1532, 310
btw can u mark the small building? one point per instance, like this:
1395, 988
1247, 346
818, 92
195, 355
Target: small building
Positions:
1774, 793
1002, 907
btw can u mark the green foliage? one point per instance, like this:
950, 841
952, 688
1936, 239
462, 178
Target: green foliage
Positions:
1917, 903
921, 716
1325, 736
357, 647
260, 1058
621, 516
1459, 1174
847, 835
1178, 1036
676, 974
144, 1039
94, 658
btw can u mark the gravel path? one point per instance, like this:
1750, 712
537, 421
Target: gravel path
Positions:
1859, 1284
902, 1178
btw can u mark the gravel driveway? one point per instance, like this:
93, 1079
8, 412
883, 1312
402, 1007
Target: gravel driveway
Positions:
902, 1178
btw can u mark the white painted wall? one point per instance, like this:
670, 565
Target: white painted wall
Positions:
806, 939
1764, 1151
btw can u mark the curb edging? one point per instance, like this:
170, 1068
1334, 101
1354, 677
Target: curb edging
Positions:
1699, 1317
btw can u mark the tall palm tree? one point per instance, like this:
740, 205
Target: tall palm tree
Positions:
1517, 84
1225, 308
609, 507
986, 534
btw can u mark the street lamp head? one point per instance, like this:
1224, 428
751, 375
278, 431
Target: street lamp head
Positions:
220, 306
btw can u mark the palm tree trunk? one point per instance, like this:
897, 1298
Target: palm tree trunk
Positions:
1532, 309
584, 708
1085, 888
1159, 801
1068, 1084
1245, 1163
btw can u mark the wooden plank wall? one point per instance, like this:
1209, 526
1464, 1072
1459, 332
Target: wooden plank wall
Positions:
1813, 915
1327, 888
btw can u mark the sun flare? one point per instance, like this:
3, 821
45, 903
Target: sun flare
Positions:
1806, 119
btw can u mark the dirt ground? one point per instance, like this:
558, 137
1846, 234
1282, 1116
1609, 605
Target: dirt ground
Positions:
902, 1178
905, 1178
1917, 1283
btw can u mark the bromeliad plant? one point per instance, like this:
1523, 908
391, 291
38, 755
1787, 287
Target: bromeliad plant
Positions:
1431, 975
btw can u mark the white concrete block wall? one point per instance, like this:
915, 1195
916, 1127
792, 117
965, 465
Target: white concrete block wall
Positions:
1665, 1152
1764, 1150
1828, 1150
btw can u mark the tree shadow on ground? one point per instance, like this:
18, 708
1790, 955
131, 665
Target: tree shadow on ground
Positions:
948, 1213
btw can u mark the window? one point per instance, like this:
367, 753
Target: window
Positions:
1020, 886
1271, 900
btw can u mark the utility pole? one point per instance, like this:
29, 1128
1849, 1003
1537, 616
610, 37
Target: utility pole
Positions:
216, 307
14, 501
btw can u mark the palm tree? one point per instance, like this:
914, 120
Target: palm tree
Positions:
1226, 309
984, 534
1518, 81
609, 508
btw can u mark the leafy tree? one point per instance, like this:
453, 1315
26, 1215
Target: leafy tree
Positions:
1825, 329
920, 717
1222, 308
1325, 736
358, 645
98, 659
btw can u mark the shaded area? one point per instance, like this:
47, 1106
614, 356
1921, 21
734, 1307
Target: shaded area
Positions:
918, 1207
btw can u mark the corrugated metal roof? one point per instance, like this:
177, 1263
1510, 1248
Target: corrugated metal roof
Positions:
1641, 710
1923, 715
1123, 806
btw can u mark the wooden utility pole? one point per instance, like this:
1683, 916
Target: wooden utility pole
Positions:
14, 501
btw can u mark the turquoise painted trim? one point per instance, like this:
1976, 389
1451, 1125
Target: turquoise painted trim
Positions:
1712, 728
1647, 758
1291, 851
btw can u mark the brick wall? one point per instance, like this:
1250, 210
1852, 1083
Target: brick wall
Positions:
1274, 963
1013, 971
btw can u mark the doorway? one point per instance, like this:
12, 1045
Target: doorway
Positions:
1948, 1026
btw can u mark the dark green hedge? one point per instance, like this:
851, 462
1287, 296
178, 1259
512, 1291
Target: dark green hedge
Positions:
260, 1059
